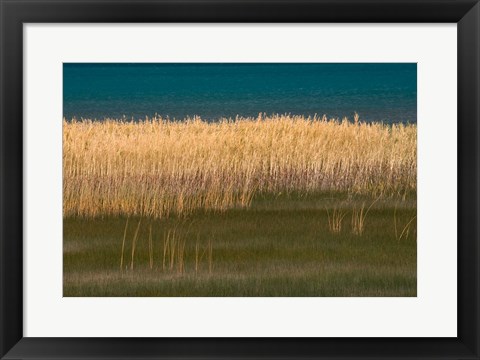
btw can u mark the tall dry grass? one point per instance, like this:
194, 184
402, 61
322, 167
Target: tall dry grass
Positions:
156, 167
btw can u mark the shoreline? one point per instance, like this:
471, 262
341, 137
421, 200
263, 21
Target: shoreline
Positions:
223, 119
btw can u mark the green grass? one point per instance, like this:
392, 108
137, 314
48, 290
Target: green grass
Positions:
281, 246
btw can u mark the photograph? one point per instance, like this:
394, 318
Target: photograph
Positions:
239, 179
247, 179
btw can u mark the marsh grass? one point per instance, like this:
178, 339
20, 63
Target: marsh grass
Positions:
134, 243
359, 216
210, 256
158, 168
244, 207
406, 229
150, 247
174, 249
123, 244
197, 253
285, 249
336, 219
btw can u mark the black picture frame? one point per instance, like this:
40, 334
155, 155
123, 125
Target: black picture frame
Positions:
14, 13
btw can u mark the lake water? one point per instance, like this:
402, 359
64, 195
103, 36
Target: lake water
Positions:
378, 92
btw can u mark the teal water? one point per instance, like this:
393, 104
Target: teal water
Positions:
378, 92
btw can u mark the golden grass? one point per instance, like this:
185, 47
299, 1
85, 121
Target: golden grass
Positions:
359, 216
134, 243
123, 244
157, 168
406, 229
335, 221
174, 252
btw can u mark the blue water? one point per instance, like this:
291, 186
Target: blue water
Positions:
377, 92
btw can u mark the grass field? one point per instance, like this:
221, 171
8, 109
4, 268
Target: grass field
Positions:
274, 206
278, 247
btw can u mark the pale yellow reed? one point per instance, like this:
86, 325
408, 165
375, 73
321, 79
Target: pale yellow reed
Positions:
157, 168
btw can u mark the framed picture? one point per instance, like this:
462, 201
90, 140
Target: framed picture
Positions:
241, 179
